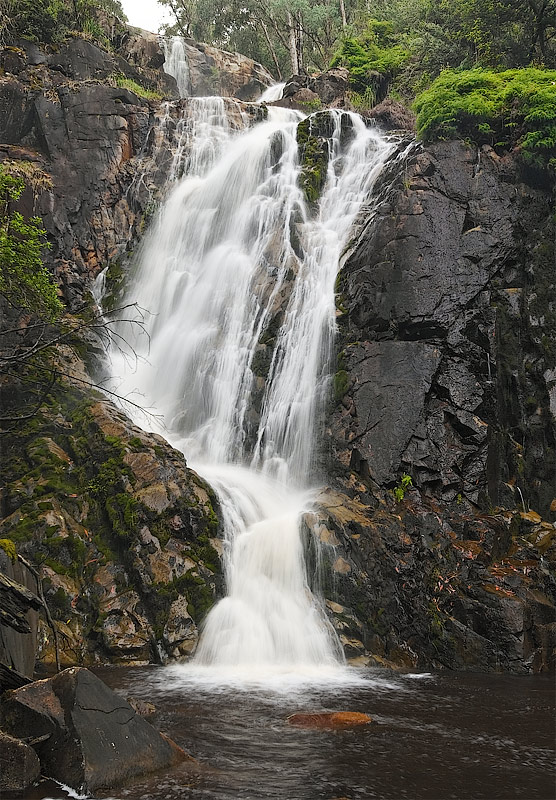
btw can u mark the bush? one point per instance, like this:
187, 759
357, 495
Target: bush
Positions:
24, 280
514, 108
374, 51
50, 21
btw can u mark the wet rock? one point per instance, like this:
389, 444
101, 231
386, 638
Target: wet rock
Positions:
180, 632
142, 707
306, 93
19, 765
217, 72
392, 115
432, 292
95, 738
330, 720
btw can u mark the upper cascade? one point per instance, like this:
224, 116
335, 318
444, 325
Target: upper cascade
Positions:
238, 269
176, 64
201, 70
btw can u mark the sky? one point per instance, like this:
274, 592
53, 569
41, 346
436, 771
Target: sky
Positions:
146, 14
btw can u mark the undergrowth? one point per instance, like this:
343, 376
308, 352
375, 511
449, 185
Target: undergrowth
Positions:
513, 108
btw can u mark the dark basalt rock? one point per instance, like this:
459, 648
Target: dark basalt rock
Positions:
447, 358
95, 738
453, 261
392, 115
19, 766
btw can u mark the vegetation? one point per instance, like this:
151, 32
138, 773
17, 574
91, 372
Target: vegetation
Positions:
418, 38
24, 280
402, 487
50, 21
374, 50
140, 91
514, 107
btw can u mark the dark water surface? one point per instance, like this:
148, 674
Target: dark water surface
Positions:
434, 737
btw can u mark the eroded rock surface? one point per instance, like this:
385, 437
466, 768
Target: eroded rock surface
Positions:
444, 375
122, 530
94, 737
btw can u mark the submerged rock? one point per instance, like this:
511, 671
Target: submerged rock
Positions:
331, 720
95, 738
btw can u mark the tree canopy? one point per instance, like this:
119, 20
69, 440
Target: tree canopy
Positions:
291, 35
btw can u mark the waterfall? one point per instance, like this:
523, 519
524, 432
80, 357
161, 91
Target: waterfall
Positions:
237, 265
175, 63
273, 93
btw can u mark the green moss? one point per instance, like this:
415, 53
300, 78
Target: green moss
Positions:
341, 384
517, 106
8, 546
313, 154
122, 510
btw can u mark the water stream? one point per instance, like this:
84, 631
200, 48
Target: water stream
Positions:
237, 267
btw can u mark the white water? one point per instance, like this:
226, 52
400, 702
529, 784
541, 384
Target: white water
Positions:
175, 63
273, 93
232, 244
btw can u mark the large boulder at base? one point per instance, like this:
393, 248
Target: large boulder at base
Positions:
96, 739
19, 765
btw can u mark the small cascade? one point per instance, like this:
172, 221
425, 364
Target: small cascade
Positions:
273, 93
234, 257
175, 63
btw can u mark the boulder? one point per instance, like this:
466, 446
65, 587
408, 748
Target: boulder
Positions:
19, 765
95, 738
392, 115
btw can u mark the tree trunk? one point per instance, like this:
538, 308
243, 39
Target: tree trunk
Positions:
343, 14
271, 49
292, 44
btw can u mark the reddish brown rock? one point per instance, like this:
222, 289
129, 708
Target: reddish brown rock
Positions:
330, 720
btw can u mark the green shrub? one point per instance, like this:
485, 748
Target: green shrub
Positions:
516, 107
400, 490
373, 51
24, 280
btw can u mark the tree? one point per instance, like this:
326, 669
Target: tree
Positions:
285, 35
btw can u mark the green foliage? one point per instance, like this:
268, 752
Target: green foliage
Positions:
402, 487
140, 91
517, 106
24, 280
341, 384
9, 548
371, 52
50, 21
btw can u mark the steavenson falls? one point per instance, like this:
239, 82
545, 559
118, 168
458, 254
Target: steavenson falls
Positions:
278, 386
235, 250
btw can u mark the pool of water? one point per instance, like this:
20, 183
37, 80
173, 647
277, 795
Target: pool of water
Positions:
445, 736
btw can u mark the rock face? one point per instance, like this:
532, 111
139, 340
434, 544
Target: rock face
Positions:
447, 354
123, 531
217, 72
19, 607
95, 738
329, 89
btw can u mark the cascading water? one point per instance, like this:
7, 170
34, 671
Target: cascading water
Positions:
175, 63
235, 251
273, 93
